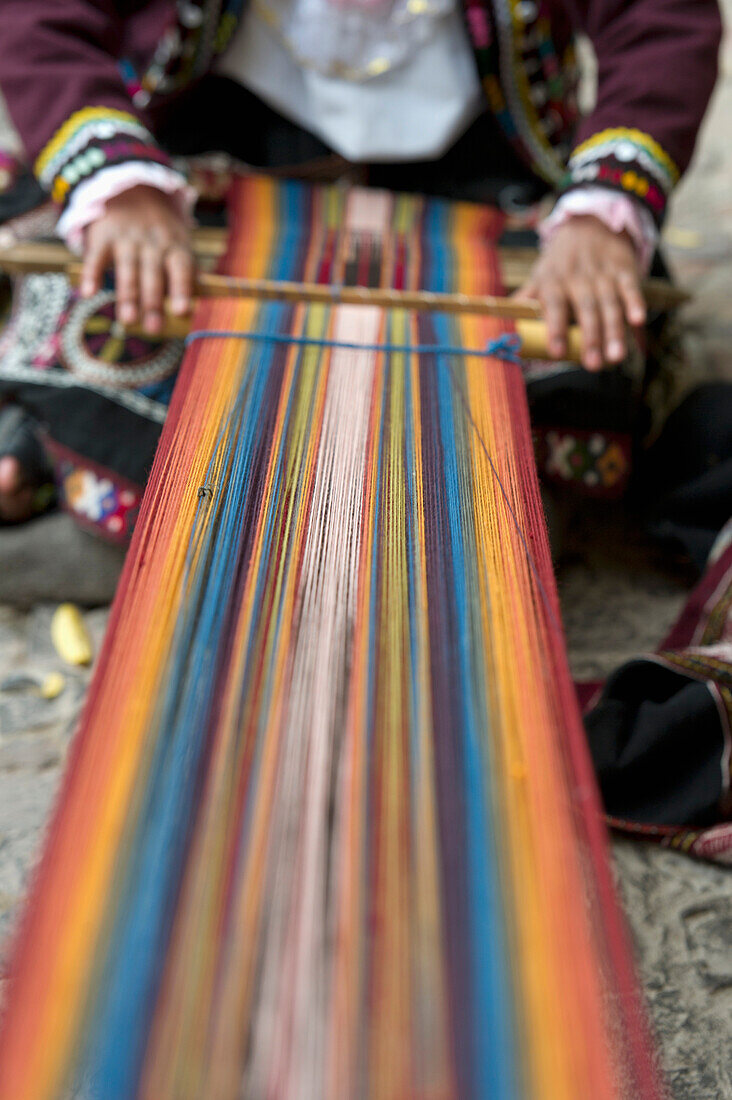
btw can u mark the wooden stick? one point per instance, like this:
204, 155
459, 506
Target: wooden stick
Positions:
52, 256
210, 243
532, 333
533, 336
228, 286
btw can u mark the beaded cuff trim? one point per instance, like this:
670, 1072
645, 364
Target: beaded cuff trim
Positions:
628, 160
92, 139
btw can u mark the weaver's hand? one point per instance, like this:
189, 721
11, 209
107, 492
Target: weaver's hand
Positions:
588, 271
143, 236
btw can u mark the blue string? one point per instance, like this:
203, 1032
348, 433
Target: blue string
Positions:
506, 347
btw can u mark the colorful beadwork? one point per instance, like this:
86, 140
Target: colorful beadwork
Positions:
531, 92
92, 139
628, 160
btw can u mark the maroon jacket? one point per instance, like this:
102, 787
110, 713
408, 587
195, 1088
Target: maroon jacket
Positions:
84, 81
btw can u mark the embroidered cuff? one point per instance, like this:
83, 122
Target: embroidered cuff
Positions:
91, 140
88, 201
620, 213
628, 161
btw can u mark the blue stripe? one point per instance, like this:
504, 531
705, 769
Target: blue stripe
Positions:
493, 1045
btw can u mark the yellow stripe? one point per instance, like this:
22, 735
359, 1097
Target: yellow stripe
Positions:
636, 137
72, 125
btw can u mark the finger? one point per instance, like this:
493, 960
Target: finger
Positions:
152, 289
613, 321
528, 290
96, 260
630, 291
556, 315
127, 282
179, 265
586, 311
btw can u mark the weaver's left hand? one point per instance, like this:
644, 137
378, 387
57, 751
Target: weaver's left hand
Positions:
588, 271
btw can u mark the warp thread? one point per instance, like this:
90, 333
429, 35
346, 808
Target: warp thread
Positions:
506, 347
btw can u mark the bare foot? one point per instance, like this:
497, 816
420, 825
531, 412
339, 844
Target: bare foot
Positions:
16, 495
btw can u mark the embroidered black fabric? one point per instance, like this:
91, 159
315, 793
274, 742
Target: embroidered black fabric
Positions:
659, 736
658, 747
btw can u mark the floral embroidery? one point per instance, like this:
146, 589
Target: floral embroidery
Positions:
97, 498
89, 496
599, 462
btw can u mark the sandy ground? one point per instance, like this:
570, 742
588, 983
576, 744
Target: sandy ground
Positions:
615, 604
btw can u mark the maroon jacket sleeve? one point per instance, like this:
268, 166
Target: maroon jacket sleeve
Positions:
64, 90
657, 66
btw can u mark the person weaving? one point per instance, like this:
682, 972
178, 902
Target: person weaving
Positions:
473, 100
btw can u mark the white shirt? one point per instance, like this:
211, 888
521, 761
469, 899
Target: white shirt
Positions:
413, 111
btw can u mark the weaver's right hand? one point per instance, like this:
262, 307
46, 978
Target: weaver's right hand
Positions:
144, 238
589, 272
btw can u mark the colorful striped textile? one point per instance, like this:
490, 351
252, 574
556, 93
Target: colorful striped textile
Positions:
329, 828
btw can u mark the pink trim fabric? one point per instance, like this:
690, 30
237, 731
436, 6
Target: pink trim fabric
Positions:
620, 213
89, 200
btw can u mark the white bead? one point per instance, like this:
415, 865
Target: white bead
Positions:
527, 11
189, 14
625, 151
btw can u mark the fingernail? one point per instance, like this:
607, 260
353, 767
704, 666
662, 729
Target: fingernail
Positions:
593, 360
153, 322
127, 314
86, 288
556, 347
615, 351
179, 306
